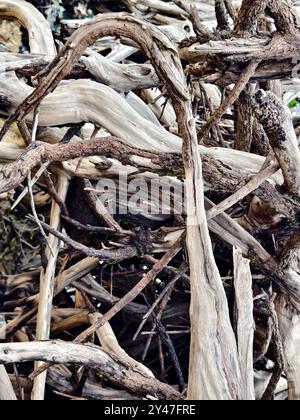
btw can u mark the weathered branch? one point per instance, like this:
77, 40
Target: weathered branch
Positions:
121, 77
250, 12
244, 320
277, 122
78, 101
221, 15
284, 15
7, 392
114, 370
12, 174
47, 282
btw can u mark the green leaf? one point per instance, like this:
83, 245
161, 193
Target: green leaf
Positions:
293, 103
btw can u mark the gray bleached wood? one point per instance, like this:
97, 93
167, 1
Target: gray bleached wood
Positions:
244, 320
7, 392
82, 100
121, 77
68, 353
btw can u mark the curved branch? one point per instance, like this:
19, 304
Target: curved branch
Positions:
83, 100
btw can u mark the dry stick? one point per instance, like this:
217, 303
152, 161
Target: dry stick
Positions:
12, 174
31, 184
279, 354
129, 297
230, 9
167, 290
162, 304
244, 320
217, 131
250, 12
35, 124
263, 175
35, 215
47, 286
114, 370
53, 193
221, 14
88, 228
105, 254
25, 133
134, 292
109, 343
222, 373
166, 339
33, 139
233, 95
98, 207
202, 33
27, 63
284, 15
168, 270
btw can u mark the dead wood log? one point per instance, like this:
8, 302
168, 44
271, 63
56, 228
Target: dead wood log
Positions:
112, 369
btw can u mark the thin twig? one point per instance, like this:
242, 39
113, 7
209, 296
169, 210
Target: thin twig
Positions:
278, 351
35, 215
230, 99
264, 174
129, 297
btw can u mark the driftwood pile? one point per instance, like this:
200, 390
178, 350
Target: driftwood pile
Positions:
150, 200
